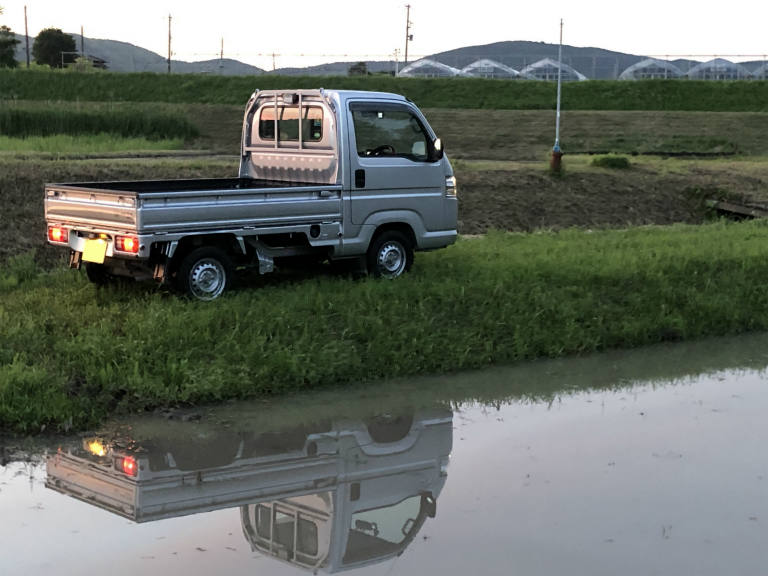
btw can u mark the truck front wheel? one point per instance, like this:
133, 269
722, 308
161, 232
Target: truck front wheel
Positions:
390, 255
204, 273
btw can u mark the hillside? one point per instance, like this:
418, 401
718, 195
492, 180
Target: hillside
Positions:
126, 57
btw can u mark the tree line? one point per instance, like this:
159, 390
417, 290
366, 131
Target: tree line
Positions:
52, 47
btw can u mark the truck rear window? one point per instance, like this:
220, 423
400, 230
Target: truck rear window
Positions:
288, 123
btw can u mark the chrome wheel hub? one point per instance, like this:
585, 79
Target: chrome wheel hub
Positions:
391, 260
207, 279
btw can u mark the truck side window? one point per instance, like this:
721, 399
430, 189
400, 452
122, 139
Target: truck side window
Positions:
288, 123
381, 531
389, 130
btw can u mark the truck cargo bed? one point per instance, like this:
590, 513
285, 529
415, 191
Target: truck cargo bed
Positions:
154, 206
185, 185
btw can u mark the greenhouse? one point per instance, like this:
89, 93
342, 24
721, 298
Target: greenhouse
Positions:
761, 73
547, 69
489, 69
427, 68
719, 69
651, 68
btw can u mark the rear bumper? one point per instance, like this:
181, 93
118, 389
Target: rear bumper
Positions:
77, 239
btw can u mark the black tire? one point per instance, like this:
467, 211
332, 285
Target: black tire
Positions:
98, 273
390, 255
205, 273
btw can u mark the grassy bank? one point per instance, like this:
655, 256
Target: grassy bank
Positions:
95, 144
73, 354
126, 122
427, 92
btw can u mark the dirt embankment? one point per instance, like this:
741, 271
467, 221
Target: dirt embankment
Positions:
526, 200
515, 197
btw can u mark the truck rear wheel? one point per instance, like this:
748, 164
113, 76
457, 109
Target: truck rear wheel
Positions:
205, 273
390, 255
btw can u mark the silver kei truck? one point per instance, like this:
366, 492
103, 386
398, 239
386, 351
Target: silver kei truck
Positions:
324, 174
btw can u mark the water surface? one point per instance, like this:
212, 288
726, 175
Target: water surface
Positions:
649, 462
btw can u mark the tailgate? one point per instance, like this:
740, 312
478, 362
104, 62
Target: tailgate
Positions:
90, 207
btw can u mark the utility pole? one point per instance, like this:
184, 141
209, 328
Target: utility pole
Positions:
408, 35
82, 42
169, 43
274, 67
26, 33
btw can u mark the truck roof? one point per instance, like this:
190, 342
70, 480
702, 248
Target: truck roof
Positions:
342, 95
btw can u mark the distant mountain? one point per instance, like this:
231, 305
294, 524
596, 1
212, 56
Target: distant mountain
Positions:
594, 63
125, 57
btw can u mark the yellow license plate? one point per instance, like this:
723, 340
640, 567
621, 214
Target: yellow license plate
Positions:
95, 251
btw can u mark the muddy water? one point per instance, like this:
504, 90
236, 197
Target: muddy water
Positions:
650, 462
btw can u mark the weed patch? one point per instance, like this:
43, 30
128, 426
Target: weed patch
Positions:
20, 122
612, 162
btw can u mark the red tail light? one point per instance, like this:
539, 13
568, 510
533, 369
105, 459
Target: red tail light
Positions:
128, 244
58, 234
129, 466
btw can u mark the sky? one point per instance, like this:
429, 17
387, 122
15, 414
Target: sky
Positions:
305, 33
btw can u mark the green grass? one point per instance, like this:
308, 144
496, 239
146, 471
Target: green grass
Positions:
127, 122
612, 162
436, 93
94, 144
73, 354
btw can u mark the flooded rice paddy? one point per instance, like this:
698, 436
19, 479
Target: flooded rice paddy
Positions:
646, 462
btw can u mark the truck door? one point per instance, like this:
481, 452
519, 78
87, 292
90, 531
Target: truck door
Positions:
391, 163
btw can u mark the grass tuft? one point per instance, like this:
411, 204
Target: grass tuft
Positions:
612, 162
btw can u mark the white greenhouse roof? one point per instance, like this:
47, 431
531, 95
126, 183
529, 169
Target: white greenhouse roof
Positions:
719, 66
427, 67
648, 65
486, 66
546, 65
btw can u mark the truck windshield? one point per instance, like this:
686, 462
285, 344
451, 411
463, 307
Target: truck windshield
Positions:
288, 123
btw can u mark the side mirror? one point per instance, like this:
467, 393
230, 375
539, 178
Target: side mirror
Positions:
437, 150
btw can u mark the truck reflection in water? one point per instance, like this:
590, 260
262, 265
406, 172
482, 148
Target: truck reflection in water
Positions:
329, 497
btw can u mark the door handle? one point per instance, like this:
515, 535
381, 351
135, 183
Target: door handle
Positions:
327, 193
360, 178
